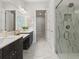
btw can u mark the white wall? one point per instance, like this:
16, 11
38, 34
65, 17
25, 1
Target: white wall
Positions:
51, 25
2, 17
31, 7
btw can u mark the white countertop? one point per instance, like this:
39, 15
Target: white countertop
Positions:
4, 41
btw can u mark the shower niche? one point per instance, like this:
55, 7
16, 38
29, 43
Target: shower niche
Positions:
67, 30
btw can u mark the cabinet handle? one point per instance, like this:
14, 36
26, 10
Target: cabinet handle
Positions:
13, 54
15, 51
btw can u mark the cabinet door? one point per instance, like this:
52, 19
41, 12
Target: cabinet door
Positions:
19, 55
19, 50
16, 51
31, 38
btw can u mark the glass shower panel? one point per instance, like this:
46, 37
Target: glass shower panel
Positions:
67, 32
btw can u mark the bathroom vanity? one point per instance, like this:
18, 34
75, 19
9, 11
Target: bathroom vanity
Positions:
12, 47
13, 50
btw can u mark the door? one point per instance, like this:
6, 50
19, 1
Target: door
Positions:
40, 24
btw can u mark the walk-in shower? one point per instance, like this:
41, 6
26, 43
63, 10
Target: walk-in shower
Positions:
67, 30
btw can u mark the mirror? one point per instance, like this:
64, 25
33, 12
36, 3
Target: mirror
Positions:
9, 20
21, 22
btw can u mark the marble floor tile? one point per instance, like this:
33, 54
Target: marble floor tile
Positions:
39, 50
69, 56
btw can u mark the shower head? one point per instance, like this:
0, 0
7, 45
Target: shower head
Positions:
71, 5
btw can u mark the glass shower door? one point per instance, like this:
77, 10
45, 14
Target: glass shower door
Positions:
67, 32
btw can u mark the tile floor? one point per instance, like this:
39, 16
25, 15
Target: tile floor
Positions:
39, 50
69, 56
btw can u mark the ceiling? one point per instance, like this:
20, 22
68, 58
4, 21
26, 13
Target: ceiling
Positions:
36, 0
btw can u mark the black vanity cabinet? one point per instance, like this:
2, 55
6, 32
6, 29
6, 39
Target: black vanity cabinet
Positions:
13, 50
27, 41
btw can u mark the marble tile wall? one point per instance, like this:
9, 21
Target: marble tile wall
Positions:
67, 31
